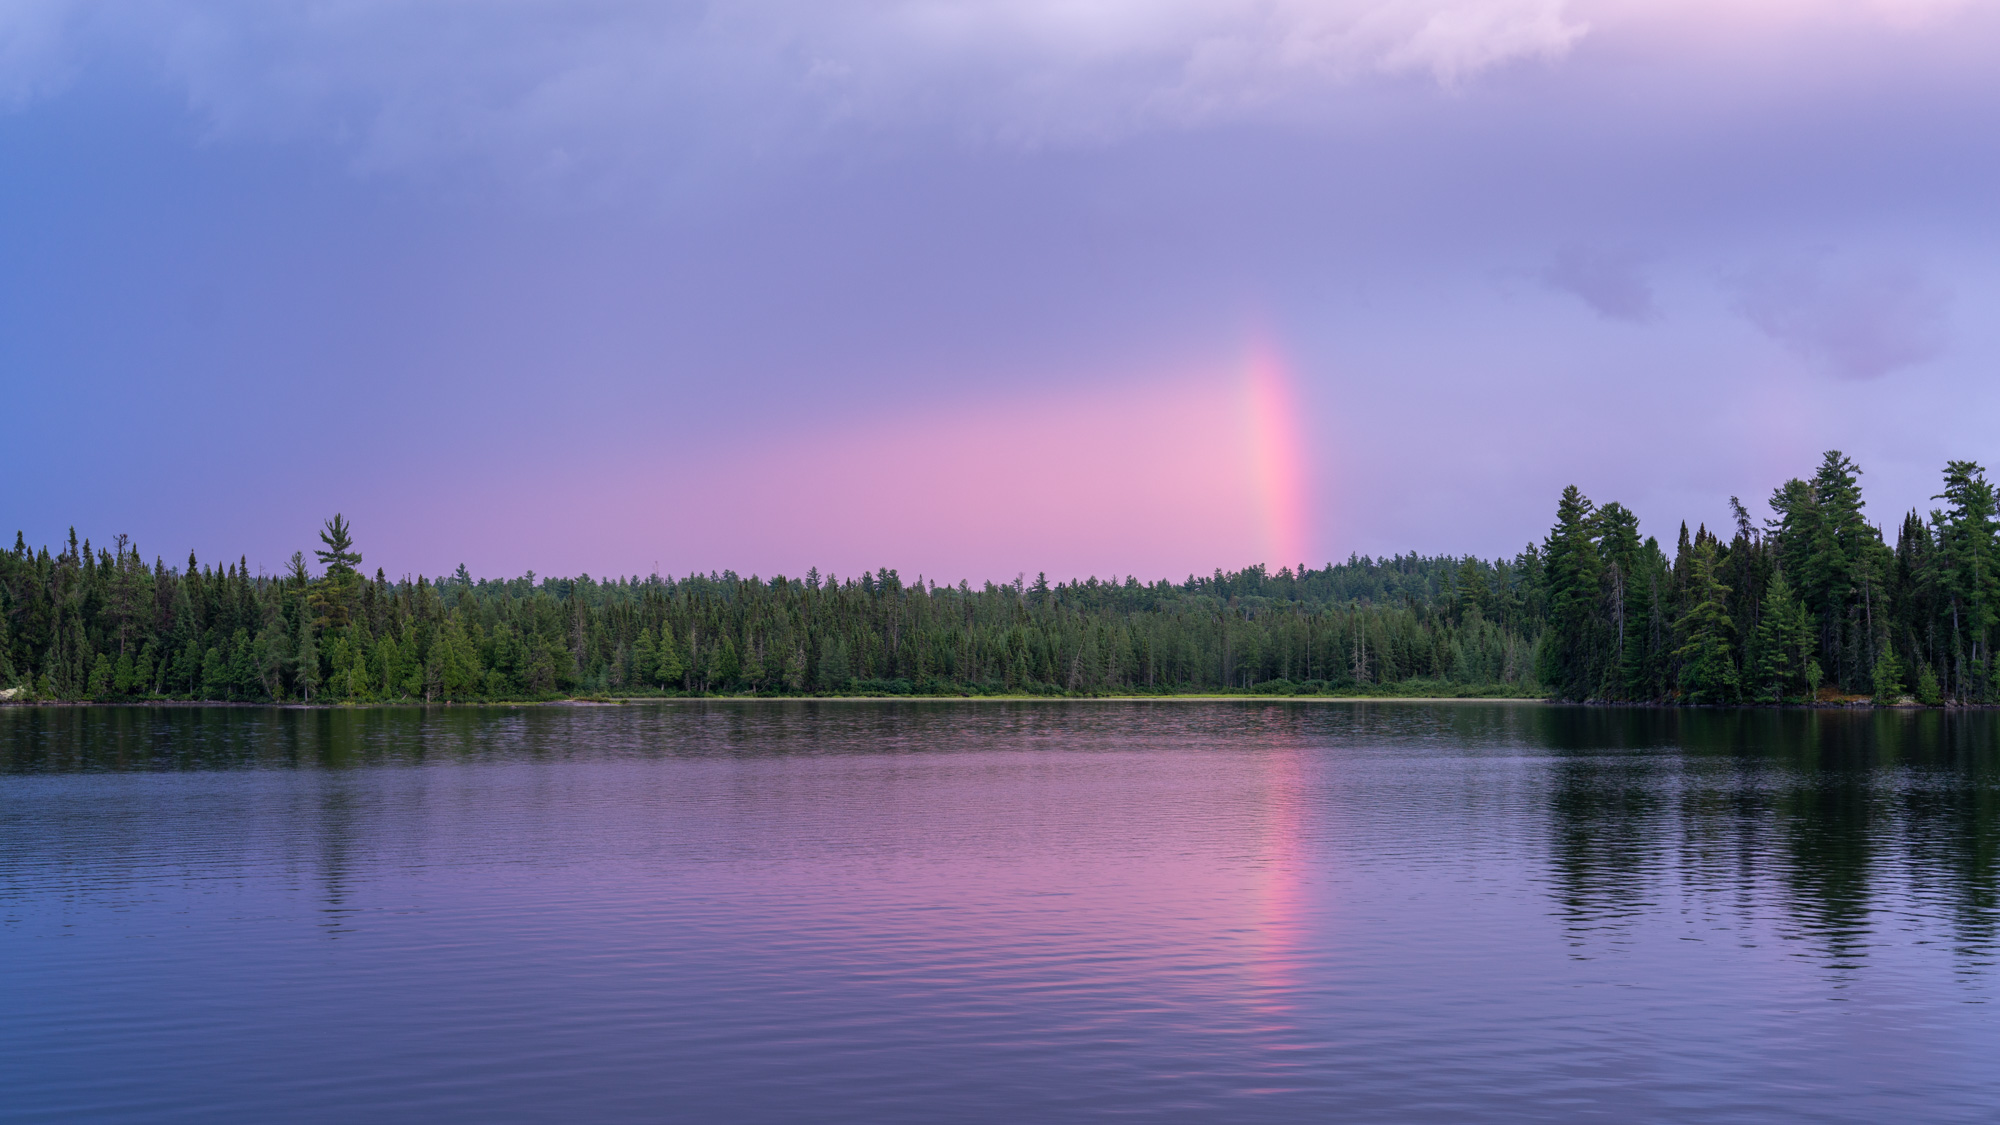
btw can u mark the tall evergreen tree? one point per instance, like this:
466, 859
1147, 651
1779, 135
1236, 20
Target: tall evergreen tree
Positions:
306, 658
1783, 645
1965, 539
1572, 646
1619, 554
1707, 653
334, 594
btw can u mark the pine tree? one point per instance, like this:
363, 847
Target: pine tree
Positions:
1571, 647
339, 554
434, 671
1783, 644
1831, 551
1928, 692
1965, 539
1707, 650
646, 656
8, 674
833, 668
670, 670
273, 655
1839, 539
354, 678
1619, 551
1470, 591
306, 658
214, 675
1888, 679
724, 667
333, 595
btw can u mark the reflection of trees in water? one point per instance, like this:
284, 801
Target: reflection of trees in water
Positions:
61, 739
1607, 844
1954, 814
334, 839
1819, 822
1610, 814
1826, 834
1953, 859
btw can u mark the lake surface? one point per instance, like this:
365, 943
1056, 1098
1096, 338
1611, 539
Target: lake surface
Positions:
1009, 912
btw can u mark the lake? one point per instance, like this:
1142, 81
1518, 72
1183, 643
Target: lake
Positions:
1069, 911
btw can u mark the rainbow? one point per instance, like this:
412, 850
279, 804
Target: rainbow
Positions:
1277, 459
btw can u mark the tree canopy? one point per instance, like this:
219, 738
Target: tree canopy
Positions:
1813, 601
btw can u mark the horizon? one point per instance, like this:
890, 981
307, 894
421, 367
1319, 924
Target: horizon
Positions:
1759, 509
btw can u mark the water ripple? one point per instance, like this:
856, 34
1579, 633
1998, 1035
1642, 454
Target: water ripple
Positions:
911, 912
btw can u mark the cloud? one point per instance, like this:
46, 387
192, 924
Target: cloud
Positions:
1611, 282
1056, 66
1856, 322
554, 88
546, 82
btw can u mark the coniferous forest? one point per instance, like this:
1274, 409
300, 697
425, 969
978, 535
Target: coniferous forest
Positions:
1814, 604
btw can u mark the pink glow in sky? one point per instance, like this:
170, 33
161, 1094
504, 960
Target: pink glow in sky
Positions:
1155, 476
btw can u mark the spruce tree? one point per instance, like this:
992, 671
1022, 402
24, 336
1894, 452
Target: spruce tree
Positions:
1888, 679
1840, 537
1783, 644
214, 675
1707, 650
1619, 553
1928, 692
1965, 539
645, 656
306, 658
670, 670
1646, 626
1572, 573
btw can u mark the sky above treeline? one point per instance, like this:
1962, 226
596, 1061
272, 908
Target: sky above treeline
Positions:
975, 287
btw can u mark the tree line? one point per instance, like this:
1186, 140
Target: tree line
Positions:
1812, 603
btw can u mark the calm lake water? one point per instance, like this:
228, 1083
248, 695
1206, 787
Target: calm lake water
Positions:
1002, 912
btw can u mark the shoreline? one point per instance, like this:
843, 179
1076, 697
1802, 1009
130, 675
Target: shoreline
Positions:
644, 700
626, 701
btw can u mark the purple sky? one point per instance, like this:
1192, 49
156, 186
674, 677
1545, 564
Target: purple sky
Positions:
970, 288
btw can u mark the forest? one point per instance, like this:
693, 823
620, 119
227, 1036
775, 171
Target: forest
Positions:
1814, 605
